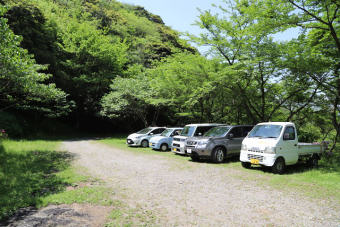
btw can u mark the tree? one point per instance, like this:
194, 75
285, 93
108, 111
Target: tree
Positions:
254, 71
21, 84
320, 39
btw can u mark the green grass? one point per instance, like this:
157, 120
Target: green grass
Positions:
35, 173
120, 142
31, 172
322, 182
92, 195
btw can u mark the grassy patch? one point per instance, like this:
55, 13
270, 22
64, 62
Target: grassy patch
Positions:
120, 143
93, 195
28, 173
322, 182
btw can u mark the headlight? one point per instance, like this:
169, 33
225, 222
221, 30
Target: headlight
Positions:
202, 143
270, 150
138, 137
243, 147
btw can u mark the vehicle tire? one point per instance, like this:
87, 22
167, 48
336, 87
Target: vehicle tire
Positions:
279, 166
218, 154
246, 165
313, 161
164, 147
145, 143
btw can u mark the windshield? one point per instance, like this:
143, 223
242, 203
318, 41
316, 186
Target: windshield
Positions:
266, 131
217, 131
167, 132
144, 131
188, 131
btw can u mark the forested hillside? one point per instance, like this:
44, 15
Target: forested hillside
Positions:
95, 61
80, 46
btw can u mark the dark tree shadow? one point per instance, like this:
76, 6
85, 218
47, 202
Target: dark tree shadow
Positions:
26, 177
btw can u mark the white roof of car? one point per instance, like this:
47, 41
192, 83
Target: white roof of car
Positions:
276, 123
206, 124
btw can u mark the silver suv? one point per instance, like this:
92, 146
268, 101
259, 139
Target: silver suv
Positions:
218, 143
178, 143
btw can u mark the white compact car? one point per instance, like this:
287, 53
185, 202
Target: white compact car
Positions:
142, 137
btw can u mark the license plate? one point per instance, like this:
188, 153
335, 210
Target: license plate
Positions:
174, 149
189, 151
254, 161
150, 144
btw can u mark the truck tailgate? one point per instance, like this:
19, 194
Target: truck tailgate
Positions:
309, 148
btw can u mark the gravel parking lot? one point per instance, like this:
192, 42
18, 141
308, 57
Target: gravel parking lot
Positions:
191, 194
183, 193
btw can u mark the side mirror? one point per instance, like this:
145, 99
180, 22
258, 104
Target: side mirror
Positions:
151, 133
230, 136
286, 136
199, 134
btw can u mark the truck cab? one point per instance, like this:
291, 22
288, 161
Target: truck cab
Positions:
275, 144
179, 142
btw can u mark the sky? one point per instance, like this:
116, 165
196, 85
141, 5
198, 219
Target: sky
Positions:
178, 14
182, 14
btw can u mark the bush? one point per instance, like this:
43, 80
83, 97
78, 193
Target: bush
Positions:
13, 126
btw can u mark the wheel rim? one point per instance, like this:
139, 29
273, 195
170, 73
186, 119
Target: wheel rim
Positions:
280, 166
219, 155
164, 147
144, 143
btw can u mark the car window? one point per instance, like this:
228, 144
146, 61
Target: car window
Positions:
158, 130
217, 131
237, 132
291, 131
188, 131
266, 131
177, 132
144, 131
202, 129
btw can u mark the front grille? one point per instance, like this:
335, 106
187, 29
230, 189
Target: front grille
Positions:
257, 151
129, 141
153, 144
190, 146
191, 142
175, 145
177, 139
254, 156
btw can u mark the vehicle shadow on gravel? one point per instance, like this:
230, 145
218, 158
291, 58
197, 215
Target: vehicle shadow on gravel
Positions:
226, 161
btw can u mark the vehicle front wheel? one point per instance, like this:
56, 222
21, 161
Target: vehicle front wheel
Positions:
279, 166
218, 155
164, 147
246, 165
145, 143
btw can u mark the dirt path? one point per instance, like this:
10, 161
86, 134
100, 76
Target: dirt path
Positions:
198, 193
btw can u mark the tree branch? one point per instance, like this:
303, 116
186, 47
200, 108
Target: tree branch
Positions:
309, 13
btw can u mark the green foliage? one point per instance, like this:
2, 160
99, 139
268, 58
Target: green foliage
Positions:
128, 98
87, 44
21, 84
13, 126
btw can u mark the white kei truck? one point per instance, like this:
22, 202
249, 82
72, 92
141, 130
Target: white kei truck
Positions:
275, 144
